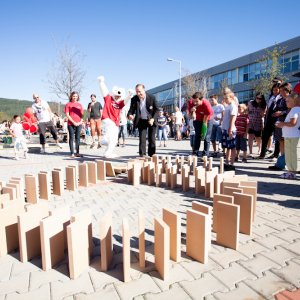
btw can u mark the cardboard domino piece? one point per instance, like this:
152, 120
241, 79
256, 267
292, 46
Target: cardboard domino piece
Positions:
203, 208
79, 234
54, 237
20, 181
92, 172
29, 231
12, 191
169, 159
158, 175
228, 220
195, 164
205, 162
162, 248
177, 162
101, 170
250, 190
106, 241
221, 169
228, 183
71, 178
168, 168
210, 164
110, 172
209, 183
155, 159
144, 172
126, 250
16, 186
217, 198
141, 234
4, 198
200, 180
249, 183
83, 174
57, 182
136, 170
230, 190
129, 170
9, 235
246, 211
31, 189
185, 170
182, 161
173, 220
44, 185
151, 173
173, 175
198, 235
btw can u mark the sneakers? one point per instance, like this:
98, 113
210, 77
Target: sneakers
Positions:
99, 146
244, 160
93, 145
59, 145
288, 175
43, 151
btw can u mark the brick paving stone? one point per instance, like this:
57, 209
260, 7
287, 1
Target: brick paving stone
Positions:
233, 275
251, 248
269, 285
272, 216
241, 292
175, 293
259, 264
61, 290
270, 241
280, 225
145, 284
197, 269
294, 247
263, 230
19, 268
177, 274
280, 255
288, 235
202, 287
42, 292
227, 257
290, 273
5, 270
17, 284
295, 220
109, 293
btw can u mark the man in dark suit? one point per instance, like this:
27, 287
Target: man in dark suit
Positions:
143, 106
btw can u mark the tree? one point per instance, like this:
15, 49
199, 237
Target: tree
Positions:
271, 67
67, 74
192, 83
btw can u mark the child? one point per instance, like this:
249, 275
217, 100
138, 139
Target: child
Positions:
16, 131
229, 130
192, 134
161, 122
241, 123
291, 133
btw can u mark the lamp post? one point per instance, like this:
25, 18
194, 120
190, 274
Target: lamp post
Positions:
178, 61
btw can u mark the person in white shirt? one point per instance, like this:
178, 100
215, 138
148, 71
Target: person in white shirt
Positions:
123, 126
291, 133
42, 112
178, 123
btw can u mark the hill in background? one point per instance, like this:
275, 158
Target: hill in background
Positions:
11, 107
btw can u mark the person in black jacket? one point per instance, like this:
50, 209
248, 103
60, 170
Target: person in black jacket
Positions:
142, 109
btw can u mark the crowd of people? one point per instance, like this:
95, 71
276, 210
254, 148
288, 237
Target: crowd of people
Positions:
231, 127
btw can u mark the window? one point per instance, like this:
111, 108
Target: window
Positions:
290, 62
244, 73
245, 96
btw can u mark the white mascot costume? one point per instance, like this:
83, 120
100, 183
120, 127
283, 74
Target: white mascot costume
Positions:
113, 105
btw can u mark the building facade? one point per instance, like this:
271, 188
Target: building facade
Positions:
239, 74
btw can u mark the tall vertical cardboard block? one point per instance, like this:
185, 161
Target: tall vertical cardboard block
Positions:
126, 250
44, 185
217, 198
129, 169
173, 177
155, 159
228, 220
168, 170
16, 186
210, 164
92, 172
110, 172
205, 162
141, 234
144, 172
203, 208
101, 169
173, 220
4, 198
198, 235
79, 234
20, 181
200, 180
54, 237
151, 173
250, 190
209, 182
185, 170
31, 189
71, 178
228, 183
246, 211
158, 175
9, 235
230, 190
57, 182
221, 168
83, 174
11, 191
169, 159
195, 164
162, 248
29, 231
136, 169
106, 241
177, 162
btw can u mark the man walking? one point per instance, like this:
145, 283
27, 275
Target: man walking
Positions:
142, 109
42, 112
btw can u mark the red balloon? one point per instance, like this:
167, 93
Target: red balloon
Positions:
33, 128
26, 125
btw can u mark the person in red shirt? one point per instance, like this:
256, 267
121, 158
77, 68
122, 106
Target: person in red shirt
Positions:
113, 105
241, 124
74, 113
201, 111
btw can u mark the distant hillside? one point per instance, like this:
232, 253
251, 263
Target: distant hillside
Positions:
11, 107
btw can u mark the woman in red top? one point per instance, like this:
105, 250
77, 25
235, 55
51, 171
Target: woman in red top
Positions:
201, 113
74, 113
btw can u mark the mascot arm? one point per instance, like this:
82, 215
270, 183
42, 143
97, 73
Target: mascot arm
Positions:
130, 94
103, 87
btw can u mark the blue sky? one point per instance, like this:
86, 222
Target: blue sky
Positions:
129, 41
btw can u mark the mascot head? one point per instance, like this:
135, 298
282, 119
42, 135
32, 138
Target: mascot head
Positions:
118, 93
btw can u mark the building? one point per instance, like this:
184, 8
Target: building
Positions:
239, 74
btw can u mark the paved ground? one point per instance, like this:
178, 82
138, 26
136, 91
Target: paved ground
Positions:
266, 262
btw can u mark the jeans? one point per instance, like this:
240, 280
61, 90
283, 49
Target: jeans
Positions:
74, 131
197, 141
162, 134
